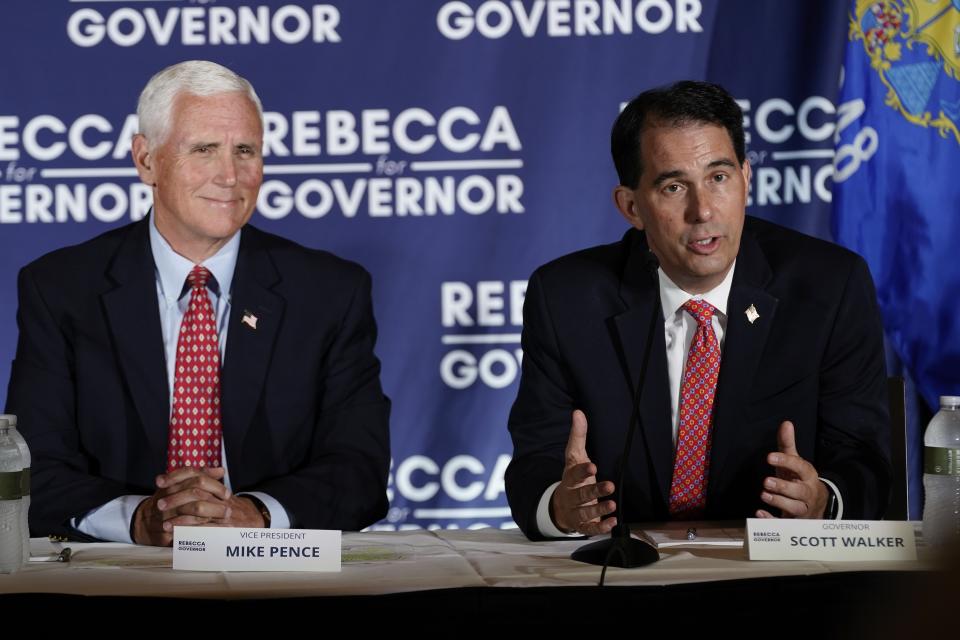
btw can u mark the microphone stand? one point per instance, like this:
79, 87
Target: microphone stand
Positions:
621, 549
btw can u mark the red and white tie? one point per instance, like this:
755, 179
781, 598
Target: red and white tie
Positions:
688, 490
195, 428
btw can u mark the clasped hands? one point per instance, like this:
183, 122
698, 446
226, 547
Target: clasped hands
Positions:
191, 496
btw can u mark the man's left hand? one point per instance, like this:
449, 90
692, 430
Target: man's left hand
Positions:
243, 513
796, 490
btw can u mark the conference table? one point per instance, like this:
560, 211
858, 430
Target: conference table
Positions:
469, 576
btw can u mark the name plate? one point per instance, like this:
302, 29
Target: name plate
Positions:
227, 549
830, 540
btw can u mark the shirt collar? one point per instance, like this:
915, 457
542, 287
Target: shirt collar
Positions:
673, 297
172, 268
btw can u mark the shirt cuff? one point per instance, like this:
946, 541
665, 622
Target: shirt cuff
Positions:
111, 521
836, 492
544, 523
278, 515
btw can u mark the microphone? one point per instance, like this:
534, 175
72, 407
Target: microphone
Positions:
621, 549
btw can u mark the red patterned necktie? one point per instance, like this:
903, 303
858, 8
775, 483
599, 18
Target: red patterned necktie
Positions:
195, 428
688, 491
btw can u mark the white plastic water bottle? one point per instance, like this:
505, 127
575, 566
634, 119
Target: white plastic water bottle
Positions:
24, 482
11, 529
941, 475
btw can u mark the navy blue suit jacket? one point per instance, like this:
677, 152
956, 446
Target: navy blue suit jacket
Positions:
814, 356
304, 417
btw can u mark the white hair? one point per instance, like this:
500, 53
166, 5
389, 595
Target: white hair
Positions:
195, 77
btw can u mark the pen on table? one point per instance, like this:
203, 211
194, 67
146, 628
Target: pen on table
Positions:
61, 556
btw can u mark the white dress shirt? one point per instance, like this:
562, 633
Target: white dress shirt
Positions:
679, 328
111, 521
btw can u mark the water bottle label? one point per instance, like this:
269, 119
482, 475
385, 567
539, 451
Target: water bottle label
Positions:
25, 482
940, 461
10, 483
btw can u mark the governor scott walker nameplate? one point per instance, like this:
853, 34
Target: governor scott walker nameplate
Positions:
227, 549
830, 540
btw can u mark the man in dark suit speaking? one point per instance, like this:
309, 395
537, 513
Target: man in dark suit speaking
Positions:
190, 369
765, 383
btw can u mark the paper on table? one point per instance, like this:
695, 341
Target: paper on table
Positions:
676, 535
105, 555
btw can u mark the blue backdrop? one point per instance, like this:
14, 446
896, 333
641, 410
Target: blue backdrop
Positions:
450, 147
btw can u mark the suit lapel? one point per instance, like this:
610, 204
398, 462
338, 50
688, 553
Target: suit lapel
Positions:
640, 292
133, 317
743, 346
249, 347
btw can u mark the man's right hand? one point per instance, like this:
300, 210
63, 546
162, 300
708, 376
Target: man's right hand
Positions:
186, 496
575, 505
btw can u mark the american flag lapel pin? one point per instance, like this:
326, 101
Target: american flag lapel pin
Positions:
249, 319
752, 314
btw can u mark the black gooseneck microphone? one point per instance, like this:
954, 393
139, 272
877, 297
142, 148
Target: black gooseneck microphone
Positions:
621, 549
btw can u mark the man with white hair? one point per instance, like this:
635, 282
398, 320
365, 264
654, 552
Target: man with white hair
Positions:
189, 369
